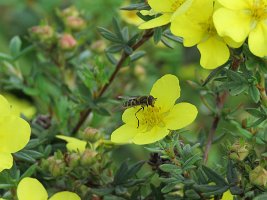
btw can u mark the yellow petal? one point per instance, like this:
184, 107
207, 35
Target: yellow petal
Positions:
232, 43
257, 40
236, 4
213, 52
20, 106
4, 106
181, 115
6, 161
191, 32
65, 195
124, 134
234, 24
14, 133
167, 91
160, 6
73, 144
155, 134
31, 189
227, 195
183, 8
159, 21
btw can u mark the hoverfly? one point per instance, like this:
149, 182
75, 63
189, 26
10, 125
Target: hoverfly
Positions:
139, 101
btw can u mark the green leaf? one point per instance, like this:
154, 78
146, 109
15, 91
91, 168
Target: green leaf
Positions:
136, 6
261, 196
235, 190
170, 168
117, 28
172, 37
109, 35
214, 176
121, 173
157, 34
29, 171
15, 46
128, 50
166, 43
192, 194
231, 174
257, 122
214, 73
24, 156
134, 169
6, 186
169, 187
254, 93
255, 112
114, 48
135, 56
5, 57
191, 161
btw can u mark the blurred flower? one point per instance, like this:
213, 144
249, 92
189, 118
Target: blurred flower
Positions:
42, 33
157, 121
14, 134
239, 151
197, 28
168, 10
258, 176
240, 19
75, 23
73, 144
20, 106
130, 16
67, 42
70, 11
32, 189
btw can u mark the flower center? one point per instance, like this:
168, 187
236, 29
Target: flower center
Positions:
259, 10
150, 117
176, 4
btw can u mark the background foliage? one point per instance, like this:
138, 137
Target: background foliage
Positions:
66, 84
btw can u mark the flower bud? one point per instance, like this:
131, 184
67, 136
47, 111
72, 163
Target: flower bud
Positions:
91, 134
258, 176
56, 167
73, 159
87, 157
239, 151
98, 46
42, 33
70, 11
140, 72
75, 23
67, 42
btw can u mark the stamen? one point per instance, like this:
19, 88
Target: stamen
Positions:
150, 117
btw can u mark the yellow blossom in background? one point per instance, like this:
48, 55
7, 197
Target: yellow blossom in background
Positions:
197, 28
227, 196
240, 19
73, 144
130, 16
168, 10
14, 134
32, 189
20, 106
156, 122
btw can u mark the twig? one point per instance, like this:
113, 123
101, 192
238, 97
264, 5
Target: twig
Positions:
124, 56
220, 100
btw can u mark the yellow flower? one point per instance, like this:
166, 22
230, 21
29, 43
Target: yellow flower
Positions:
20, 106
73, 144
32, 189
14, 134
130, 16
156, 122
196, 27
168, 10
240, 19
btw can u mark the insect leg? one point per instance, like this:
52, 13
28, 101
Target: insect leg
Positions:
142, 108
